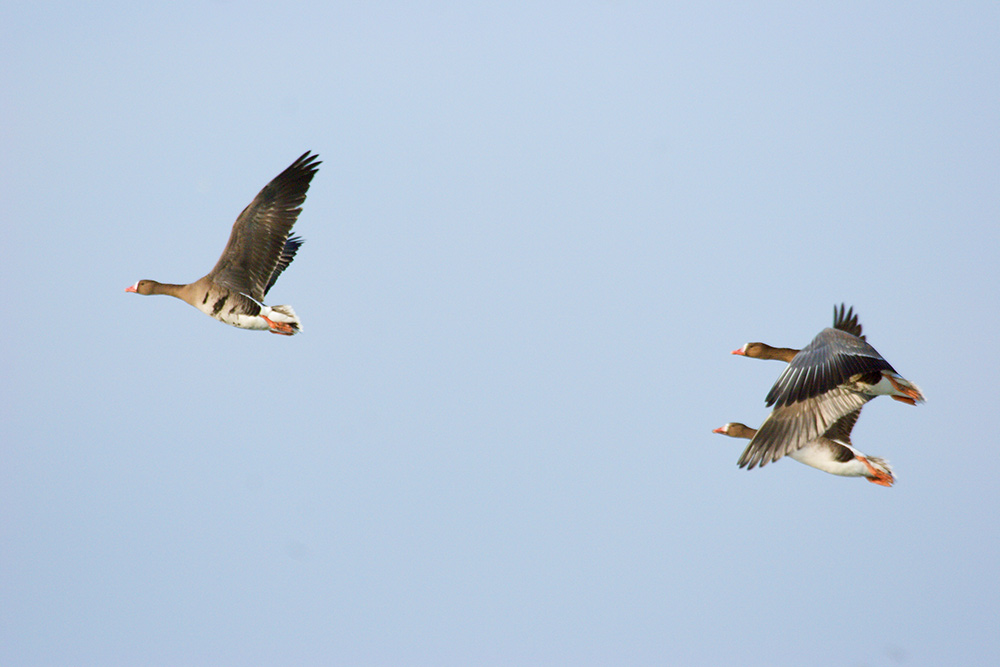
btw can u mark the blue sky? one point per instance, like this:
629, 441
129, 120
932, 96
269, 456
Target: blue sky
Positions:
536, 235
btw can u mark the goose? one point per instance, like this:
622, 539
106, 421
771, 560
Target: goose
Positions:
259, 249
832, 377
832, 452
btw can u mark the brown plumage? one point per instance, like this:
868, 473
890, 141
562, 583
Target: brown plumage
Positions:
832, 377
832, 452
259, 249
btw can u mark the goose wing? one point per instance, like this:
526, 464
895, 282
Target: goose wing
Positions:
830, 360
789, 428
259, 248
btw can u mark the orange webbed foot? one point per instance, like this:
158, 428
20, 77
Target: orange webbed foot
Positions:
912, 395
279, 327
881, 480
878, 476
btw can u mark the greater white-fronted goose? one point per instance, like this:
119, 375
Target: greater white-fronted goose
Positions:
833, 376
831, 452
259, 249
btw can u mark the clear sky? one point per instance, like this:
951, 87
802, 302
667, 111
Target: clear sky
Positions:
538, 231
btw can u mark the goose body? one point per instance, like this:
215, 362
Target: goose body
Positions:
832, 452
832, 377
259, 249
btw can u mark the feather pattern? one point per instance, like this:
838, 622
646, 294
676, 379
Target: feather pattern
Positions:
830, 360
832, 452
822, 390
789, 428
847, 321
258, 249
292, 245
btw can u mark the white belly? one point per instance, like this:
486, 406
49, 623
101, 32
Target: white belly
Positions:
229, 314
820, 458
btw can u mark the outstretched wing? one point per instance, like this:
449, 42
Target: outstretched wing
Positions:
789, 428
258, 249
832, 358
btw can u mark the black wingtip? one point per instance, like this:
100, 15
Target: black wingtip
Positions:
307, 161
846, 320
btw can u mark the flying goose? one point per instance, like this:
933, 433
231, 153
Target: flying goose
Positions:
832, 377
831, 452
259, 249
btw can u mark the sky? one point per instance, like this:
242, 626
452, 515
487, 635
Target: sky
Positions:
538, 231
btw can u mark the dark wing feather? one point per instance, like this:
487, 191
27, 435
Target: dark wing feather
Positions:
841, 454
292, 245
250, 263
830, 360
839, 435
841, 429
847, 321
791, 427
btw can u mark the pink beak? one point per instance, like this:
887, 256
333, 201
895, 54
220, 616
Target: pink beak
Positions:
719, 430
739, 351
130, 288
